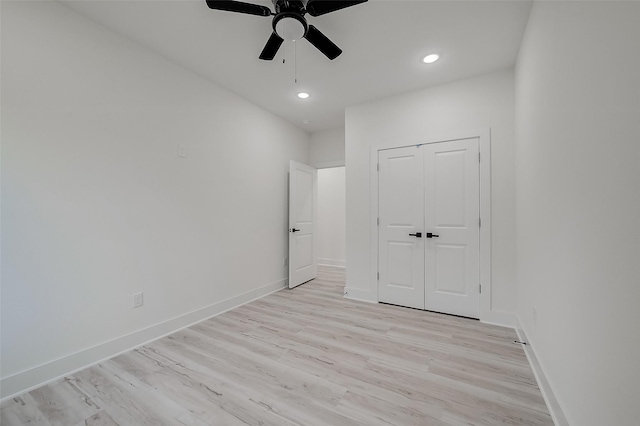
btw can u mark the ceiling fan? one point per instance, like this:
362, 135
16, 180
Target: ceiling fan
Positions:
289, 22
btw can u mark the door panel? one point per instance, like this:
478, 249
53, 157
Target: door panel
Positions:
452, 209
449, 269
401, 256
303, 195
449, 188
304, 251
400, 261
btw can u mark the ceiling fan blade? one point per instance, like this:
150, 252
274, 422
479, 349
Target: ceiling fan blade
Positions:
240, 7
322, 43
271, 48
320, 7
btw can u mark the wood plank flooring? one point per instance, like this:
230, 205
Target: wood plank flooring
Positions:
303, 357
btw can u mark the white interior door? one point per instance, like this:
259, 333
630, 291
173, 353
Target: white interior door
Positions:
429, 234
452, 212
401, 215
303, 195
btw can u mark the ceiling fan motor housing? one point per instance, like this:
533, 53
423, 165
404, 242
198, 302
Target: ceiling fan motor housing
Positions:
290, 26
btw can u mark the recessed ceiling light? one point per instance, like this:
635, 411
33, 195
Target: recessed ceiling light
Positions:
306, 121
303, 95
429, 59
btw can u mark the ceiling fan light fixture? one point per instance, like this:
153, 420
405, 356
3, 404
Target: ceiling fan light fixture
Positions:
290, 26
289, 23
431, 58
303, 95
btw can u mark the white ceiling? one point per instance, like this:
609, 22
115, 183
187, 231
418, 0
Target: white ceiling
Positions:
383, 43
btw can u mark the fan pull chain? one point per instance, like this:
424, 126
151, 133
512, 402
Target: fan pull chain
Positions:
295, 63
284, 55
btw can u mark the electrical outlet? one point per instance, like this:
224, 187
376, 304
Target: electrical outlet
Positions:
182, 151
285, 261
138, 300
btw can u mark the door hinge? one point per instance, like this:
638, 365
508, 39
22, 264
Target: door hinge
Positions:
378, 276
378, 167
480, 288
378, 221
479, 222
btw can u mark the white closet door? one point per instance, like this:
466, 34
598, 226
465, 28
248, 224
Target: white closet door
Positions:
401, 201
303, 196
452, 211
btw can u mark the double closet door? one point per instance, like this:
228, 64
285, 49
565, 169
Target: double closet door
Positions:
429, 227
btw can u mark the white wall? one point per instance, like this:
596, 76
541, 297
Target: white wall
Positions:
331, 217
97, 205
327, 148
578, 204
477, 103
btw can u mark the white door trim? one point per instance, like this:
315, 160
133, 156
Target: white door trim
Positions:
487, 314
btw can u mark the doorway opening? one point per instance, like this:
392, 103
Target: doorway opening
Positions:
317, 221
332, 217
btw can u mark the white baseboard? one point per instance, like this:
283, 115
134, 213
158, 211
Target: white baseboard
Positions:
35, 377
557, 415
358, 294
331, 262
503, 319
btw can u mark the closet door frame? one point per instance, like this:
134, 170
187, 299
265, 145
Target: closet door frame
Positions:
487, 314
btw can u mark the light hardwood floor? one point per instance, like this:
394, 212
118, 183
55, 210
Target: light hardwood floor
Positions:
303, 357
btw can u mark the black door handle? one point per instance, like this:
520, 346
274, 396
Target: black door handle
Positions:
430, 235
294, 230
417, 235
